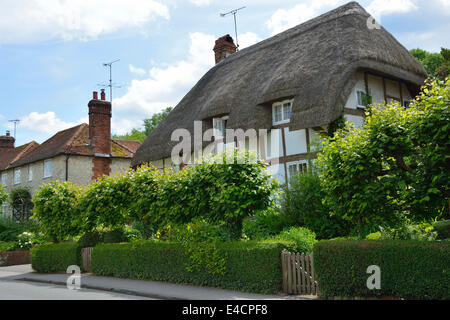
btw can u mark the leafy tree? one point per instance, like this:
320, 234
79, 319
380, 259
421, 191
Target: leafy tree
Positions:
151, 123
135, 134
20, 202
436, 64
105, 202
56, 210
396, 165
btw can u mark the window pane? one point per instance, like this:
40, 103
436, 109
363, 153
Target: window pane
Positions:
47, 169
17, 176
287, 111
277, 114
4, 179
30, 173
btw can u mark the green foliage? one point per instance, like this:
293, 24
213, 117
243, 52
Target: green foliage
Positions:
151, 123
134, 135
407, 231
409, 269
3, 197
56, 209
262, 226
115, 236
9, 246
304, 238
106, 202
430, 61
396, 165
302, 205
442, 228
90, 239
55, 257
20, 202
247, 263
26, 240
10, 229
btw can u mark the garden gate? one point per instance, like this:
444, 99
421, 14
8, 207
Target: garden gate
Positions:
298, 273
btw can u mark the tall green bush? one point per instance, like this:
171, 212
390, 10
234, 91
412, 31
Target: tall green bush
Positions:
56, 209
302, 205
395, 165
3, 197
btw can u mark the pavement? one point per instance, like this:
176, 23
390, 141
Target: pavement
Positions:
138, 288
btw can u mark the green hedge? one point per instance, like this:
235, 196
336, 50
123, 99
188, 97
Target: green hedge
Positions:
250, 266
55, 257
442, 228
409, 269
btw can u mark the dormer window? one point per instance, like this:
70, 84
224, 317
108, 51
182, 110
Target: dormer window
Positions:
219, 126
281, 112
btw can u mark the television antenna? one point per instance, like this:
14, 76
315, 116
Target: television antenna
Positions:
16, 122
233, 12
110, 85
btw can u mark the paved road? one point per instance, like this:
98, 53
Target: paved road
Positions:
13, 289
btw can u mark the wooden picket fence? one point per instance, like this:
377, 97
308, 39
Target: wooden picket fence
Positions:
298, 273
86, 254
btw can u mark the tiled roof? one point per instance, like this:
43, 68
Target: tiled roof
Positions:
7, 158
72, 141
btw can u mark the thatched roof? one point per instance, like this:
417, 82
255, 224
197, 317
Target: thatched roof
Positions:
314, 62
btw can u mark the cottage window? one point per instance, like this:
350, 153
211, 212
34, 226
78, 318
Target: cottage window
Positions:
47, 168
281, 112
296, 168
30, 173
16, 176
219, 126
5, 179
362, 99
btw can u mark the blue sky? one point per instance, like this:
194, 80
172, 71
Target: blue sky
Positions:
51, 51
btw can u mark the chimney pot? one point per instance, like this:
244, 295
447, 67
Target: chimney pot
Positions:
224, 46
8, 134
95, 95
102, 95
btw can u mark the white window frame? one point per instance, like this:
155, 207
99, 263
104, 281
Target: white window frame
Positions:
359, 94
17, 176
296, 163
284, 117
46, 175
4, 180
30, 172
216, 131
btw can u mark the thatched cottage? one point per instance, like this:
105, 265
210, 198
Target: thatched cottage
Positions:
291, 86
79, 154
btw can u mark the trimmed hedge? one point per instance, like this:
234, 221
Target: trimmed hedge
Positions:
442, 228
409, 269
55, 257
250, 266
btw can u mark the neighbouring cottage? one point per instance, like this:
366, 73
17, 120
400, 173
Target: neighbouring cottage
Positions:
80, 154
289, 89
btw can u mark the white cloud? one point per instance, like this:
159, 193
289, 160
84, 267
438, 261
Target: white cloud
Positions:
377, 8
35, 20
137, 71
165, 86
247, 39
283, 19
200, 2
45, 122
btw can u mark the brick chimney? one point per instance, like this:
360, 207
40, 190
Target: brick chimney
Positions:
6, 143
224, 47
100, 134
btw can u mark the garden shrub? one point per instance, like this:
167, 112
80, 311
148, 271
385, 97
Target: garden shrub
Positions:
90, 239
114, 236
302, 205
396, 165
56, 209
55, 257
264, 225
409, 269
443, 229
249, 266
9, 246
304, 238
10, 229
3, 197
